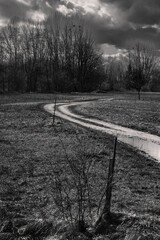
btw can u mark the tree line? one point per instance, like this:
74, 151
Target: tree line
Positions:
138, 69
51, 56
61, 55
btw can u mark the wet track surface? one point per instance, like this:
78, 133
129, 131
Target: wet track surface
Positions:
145, 142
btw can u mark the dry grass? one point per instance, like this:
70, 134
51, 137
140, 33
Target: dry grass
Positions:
30, 148
40, 97
126, 111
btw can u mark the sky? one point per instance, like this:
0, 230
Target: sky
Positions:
115, 22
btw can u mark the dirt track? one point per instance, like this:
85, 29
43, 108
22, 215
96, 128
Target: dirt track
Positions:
147, 143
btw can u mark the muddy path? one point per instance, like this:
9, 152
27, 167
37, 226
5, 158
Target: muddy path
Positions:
145, 142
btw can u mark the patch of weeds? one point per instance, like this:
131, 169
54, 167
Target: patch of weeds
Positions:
5, 170
3, 141
144, 115
30, 168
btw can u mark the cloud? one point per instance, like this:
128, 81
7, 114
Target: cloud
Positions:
138, 11
144, 12
129, 20
89, 6
117, 22
121, 38
12, 8
65, 10
37, 16
124, 4
114, 22
25, 8
27, 3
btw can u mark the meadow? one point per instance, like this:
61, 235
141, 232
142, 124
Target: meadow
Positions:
33, 152
125, 110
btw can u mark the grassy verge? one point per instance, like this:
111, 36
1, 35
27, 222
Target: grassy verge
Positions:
124, 110
40, 97
30, 149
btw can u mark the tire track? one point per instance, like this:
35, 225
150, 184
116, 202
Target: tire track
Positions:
145, 142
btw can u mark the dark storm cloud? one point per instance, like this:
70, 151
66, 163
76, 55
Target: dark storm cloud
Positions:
70, 5
138, 11
145, 14
125, 4
121, 38
140, 21
12, 8
127, 19
53, 1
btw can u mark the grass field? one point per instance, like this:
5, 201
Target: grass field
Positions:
127, 111
40, 97
31, 149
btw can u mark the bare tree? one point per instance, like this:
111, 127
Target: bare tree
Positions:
12, 46
60, 55
142, 63
88, 59
54, 56
33, 48
154, 84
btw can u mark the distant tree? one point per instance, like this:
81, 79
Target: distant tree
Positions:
12, 47
33, 48
142, 62
115, 69
60, 55
83, 61
88, 59
154, 83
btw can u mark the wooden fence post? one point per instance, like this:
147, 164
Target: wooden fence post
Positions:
54, 110
110, 180
106, 217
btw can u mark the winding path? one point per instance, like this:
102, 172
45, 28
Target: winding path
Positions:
148, 143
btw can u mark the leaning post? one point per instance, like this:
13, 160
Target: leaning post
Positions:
107, 206
105, 219
54, 113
